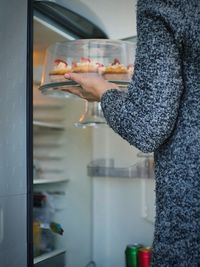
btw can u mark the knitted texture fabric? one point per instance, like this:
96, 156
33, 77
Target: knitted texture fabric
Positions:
161, 113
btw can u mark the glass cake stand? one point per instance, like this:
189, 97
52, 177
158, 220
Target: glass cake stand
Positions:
60, 89
92, 116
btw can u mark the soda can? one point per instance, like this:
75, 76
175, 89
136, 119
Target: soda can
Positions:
144, 257
131, 255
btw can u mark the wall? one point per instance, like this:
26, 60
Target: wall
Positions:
13, 225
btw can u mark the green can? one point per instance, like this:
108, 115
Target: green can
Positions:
131, 255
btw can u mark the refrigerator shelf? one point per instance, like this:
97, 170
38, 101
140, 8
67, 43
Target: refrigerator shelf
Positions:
59, 89
47, 157
106, 168
49, 181
48, 125
53, 258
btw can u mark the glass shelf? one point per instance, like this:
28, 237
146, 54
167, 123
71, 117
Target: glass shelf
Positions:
49, 181
50, 259
59, 89
48, 125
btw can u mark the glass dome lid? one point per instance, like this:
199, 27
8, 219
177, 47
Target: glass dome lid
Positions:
111, 59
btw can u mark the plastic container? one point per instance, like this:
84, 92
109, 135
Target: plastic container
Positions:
106, 168
112, 59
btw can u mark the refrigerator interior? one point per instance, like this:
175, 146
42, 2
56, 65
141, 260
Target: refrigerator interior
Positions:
96, 186
61, 152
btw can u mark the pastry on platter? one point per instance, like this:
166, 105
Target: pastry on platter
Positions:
116, 71
60, 68
84, 65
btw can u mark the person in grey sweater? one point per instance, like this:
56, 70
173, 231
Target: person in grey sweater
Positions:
160, 113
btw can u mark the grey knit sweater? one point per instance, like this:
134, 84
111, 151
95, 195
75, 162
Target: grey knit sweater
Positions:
161, 113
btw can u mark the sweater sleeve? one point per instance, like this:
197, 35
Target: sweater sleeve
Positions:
146, 115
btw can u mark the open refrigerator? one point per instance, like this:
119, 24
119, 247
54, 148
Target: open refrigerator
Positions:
88, 181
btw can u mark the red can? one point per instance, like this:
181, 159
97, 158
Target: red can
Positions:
144, 257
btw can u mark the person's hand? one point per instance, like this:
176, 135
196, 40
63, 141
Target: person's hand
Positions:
92, 85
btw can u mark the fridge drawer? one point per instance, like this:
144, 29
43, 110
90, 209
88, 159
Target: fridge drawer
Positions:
52, 259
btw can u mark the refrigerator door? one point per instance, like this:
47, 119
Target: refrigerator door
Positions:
15, 169
73, 16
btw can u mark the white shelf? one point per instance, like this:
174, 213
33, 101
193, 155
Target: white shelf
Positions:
48, 255
48, 125
49, 181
